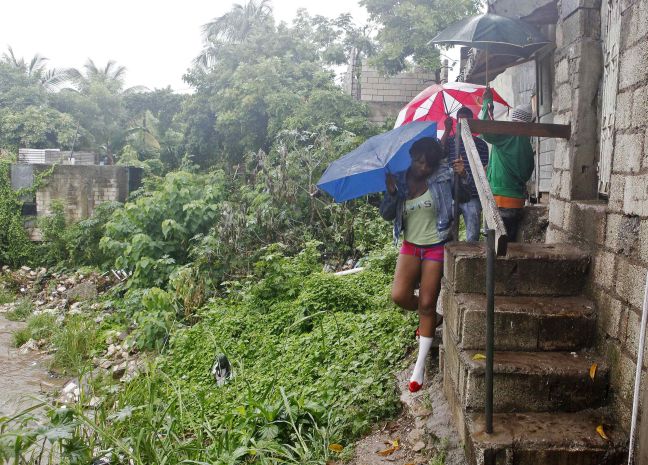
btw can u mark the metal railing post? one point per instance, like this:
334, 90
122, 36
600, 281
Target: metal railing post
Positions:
490, 325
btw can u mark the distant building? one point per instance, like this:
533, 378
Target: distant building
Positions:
79, 180
385, 95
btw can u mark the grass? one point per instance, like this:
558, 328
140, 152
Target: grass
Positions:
6, 297
75, 342
22, 311
40, 326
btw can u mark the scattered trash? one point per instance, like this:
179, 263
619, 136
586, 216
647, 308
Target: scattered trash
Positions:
336, 447
221, 370
479, 357
390, 450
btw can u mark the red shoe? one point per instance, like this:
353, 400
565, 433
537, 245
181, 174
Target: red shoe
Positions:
414, 386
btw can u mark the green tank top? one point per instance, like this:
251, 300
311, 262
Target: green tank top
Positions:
419, 219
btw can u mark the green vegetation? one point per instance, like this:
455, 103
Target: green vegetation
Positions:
21, 311
225, 244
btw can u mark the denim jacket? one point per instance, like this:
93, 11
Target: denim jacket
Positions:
439, 185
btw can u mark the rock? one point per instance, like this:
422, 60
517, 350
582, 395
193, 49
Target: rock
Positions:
60, 289
415, 436
26, 269
28, 346
105, 364
419, 446
70, 393
111, 350
119, 370
83, 291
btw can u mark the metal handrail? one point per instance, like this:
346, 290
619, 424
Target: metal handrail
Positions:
496, 244
491, 212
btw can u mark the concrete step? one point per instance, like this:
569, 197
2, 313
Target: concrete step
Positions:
544, 438
526, 381
522, 323
528, 269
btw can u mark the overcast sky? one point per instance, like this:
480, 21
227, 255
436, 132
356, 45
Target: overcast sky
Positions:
155, 40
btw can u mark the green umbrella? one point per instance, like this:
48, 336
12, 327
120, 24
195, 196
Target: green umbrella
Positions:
495, 34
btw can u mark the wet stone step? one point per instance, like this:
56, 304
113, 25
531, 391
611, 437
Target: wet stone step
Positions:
545, 438
527, 381
522, 323
527, 269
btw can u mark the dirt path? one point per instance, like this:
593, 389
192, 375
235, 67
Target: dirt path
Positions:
424, 432
22, 376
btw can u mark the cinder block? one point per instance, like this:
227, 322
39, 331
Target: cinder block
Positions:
533, 381
623, 110
634, 65
628, 153
556, 211
635, 195
603, 264
630, 282
524, 323
528, 269
640, 106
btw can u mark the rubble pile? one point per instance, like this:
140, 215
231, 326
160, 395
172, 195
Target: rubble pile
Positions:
55, 293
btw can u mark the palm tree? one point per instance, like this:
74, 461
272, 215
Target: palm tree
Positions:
233, 27
51, 79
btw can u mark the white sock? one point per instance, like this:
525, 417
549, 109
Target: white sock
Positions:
419, 369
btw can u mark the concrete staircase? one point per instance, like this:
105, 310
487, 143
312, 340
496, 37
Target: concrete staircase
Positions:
547, 407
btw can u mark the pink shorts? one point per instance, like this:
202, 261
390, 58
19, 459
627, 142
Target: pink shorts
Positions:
434, 252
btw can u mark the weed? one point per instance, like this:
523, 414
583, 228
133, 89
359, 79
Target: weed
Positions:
39, 327
75, 342
6, 297
21, 311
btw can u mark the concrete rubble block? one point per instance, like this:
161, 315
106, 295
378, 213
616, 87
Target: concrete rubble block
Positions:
528, 269
82, 291
534, 381
545, 438
526, 323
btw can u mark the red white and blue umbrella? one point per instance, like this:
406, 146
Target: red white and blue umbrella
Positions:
439, 101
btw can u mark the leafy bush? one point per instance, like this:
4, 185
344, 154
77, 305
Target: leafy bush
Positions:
15, 247
155, 320
83, 238
54, 248
153, 235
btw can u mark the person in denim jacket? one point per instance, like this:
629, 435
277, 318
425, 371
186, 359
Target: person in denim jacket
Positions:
419, 202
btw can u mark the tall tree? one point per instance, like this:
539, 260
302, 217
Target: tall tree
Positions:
36, 70
406, 27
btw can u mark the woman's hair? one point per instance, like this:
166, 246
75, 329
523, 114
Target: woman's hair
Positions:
430, 148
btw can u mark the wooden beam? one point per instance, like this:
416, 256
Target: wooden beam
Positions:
514, 128
491, 212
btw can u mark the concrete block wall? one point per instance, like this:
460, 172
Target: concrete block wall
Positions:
615, 232
386, 95
81, 188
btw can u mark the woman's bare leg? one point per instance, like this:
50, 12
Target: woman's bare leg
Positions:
406, 278
431, 273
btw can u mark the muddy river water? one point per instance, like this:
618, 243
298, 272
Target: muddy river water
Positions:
23, 377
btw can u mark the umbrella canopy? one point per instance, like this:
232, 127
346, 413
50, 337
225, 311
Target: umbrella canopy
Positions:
496, 34
363, 170
439, 101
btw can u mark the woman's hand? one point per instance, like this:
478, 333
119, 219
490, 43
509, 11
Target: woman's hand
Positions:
458, 167
390, 183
